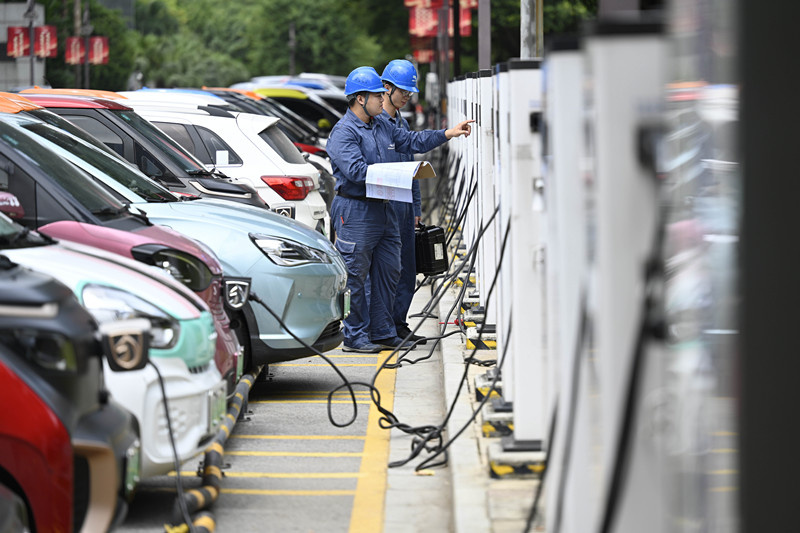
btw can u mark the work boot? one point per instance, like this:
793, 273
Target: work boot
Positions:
403, 332
366, 347
394, 342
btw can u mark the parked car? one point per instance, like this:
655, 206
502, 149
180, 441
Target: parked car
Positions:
312, 146
307, 105
68, 451
250, 147
296, 270
182, 341
144, 145
50, 192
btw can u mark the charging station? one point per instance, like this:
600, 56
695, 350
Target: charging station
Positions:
566, 233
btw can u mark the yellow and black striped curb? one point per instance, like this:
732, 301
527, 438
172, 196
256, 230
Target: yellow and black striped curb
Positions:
482, 392
198, 499
480, 344
203, 523
500, 470
496, 428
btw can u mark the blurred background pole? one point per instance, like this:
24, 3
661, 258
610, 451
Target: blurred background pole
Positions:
484, 34
30, 14
456, 38
444, 63
76, 27
292, 46
86, 30
531, 29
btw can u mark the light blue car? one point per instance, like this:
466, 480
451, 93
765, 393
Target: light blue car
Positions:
297, 272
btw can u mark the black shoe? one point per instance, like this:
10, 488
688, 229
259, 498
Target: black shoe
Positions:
363, 348
393, 342
416, 339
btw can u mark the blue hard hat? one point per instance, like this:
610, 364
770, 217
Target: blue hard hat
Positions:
402, 74
363, 79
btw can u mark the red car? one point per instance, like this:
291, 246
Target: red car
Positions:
68, 451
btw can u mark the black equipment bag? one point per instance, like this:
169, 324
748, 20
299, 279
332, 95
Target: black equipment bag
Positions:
430, 250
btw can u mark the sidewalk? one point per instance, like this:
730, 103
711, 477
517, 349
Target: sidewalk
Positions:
463, 497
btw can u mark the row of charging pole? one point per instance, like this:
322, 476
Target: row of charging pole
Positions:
500, 167
564, 147
604, 105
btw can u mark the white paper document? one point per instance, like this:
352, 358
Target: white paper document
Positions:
392, 181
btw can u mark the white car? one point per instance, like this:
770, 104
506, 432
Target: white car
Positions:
182, 343
247, 147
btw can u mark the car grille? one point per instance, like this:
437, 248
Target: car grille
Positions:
330, 330
199, 369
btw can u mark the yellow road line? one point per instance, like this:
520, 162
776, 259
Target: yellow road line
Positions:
284, 475
261, 492
725, 434
724, 450
322, 364
345, 356
368, 505
316, 392
299, 437
723, 472
362, 402
294, 454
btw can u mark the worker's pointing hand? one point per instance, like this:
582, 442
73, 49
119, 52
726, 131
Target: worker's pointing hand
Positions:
462, 128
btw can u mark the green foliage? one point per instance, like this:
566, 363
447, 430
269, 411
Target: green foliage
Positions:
109, 23
208, 42
328, 38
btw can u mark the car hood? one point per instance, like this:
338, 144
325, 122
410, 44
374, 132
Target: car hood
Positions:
122, 242
239, 217
76, 269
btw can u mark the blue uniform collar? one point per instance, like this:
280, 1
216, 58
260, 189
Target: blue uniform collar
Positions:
352, 117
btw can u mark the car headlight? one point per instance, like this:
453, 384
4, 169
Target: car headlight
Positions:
49, 350
284, 252
184, 267
108, 304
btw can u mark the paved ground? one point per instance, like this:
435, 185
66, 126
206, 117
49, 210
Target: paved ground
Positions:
291, 470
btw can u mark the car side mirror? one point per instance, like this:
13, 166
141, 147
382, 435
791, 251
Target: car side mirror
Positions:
9, 204
126, 344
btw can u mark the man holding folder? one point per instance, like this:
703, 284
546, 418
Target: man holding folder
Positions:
366, 228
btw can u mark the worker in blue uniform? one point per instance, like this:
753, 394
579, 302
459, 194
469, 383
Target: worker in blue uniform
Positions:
366, 229
399, 78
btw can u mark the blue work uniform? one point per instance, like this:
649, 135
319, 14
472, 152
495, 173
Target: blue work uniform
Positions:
366, 229
405, 213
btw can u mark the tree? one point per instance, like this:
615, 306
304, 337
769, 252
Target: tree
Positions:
111, 76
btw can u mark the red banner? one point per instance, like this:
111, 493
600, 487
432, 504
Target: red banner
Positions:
437, 4
45, 41
430, 4
74, 52
18, 44
424, 22
427, 55
98, 50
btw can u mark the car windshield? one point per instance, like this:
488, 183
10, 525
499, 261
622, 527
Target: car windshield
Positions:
63, 124
170, 148
276, 109
110, 165
12, 235
75, 181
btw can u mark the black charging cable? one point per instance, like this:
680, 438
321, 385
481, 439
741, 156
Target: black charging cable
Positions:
178, 481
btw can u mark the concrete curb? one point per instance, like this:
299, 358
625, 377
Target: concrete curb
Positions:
470, 482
